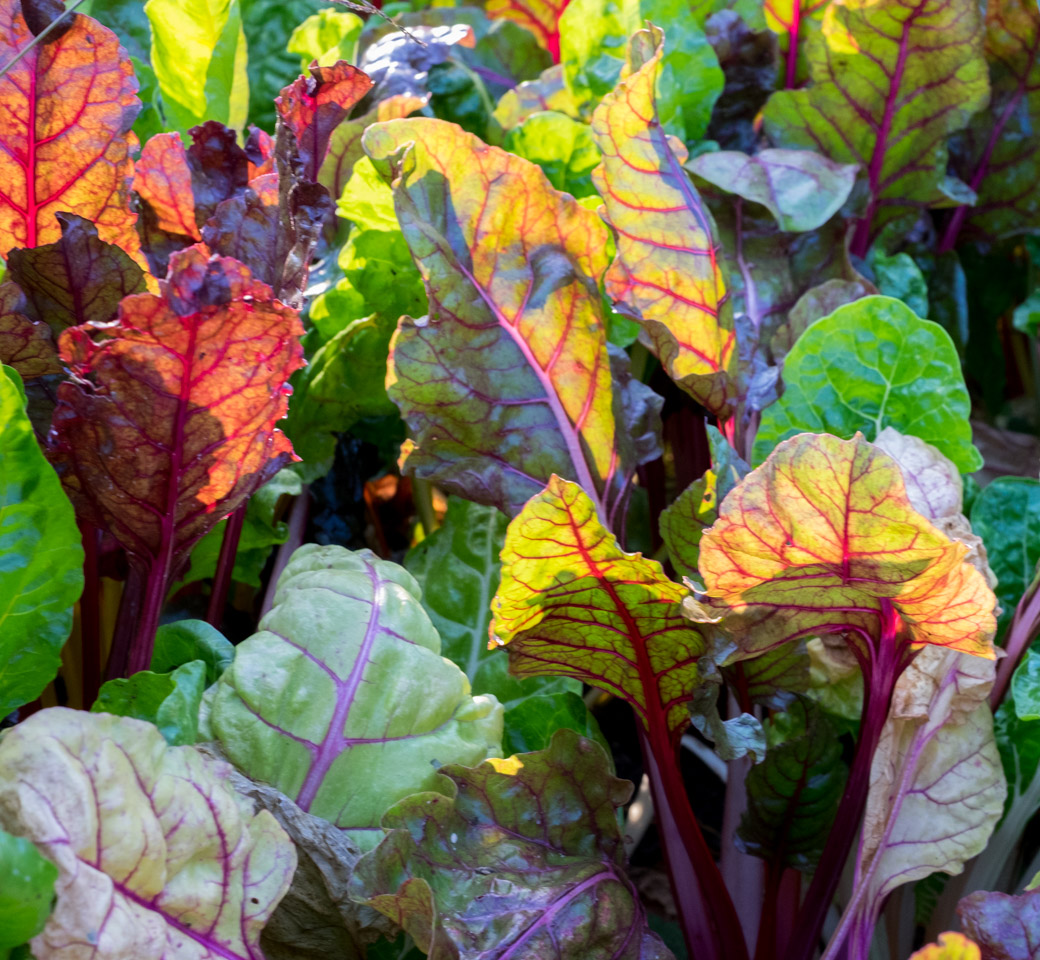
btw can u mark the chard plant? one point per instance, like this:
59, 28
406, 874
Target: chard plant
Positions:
418, 422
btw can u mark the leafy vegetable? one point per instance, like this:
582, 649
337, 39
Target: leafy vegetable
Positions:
1003, 926
562, 147
342, 700
151, 847
326, 36
541, 17
484, 872
169, 700
26, 345
28, 892
42, 559
184, 641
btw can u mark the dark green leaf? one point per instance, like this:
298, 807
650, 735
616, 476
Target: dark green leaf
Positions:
183, 641
26, 893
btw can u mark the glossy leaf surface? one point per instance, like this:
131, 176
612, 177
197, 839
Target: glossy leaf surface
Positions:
68, 107
870, 365
485, 873
816, 538
342, 700
155, 854
667, 273
41, 566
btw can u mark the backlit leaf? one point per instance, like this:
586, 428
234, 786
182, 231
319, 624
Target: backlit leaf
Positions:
548, 92
541, 17
326, 36
572, 602
27, 895
667, 272
870, 365
175, 425
155, 854
342, 700
890, 83
69, 105
513, 304
950, 946
562, 147
815, 540
487, 872
41, 570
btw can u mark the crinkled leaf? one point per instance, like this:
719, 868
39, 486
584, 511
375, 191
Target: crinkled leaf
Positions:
342, 700
950, 946
68, 105
41, 559
1006, 514
562, 147
513, 304
173, 424
1005, 927
27, 895
667, 272
997, 154
400, 66
871, 364
199, 56
523, 859
27, 345
78, 279
184, 641
819, 537
889, 86
572, 602
155, 854
794, 794
169, 700
326, 36
933, 484
548, 92
801, 189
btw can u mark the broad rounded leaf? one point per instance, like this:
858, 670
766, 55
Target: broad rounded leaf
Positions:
508, 381
41, 566
548, 92
572, 602
523, 860
326, 36
342, 700
873, 364
667, 273
890, 83
950, 946
1004, 927
27, 894
175, 427
68, 106
156, 856
815, 540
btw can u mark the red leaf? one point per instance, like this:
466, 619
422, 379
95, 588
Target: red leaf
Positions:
246, 228
68, 106
162, 179
24, 344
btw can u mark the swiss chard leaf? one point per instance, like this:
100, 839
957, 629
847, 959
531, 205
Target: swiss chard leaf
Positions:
168, 700
540, 17
184, 641
342, 700
869, 365
27, 896
561, 146
487, 872
153, 850
42, 560
326, 36
26, 344
950, 946
1003, 926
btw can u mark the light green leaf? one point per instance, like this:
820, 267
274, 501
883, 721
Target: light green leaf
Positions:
169, 700
562, 147
1006, 514
342, 700
872, 364
41, 557
183, 641
367, 199
900, 277
326, 36
199, 57
26, 893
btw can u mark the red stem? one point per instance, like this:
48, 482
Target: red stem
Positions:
1023, 630
710, 924
225, 567
766, 948
126, 623
792, 46
156, 584
90, 614
880, 674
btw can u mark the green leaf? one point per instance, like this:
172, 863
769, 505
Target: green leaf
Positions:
127, 18
1026, 317
367, 199
562, 147
41, 557
326, 36
27, 891
871, 364
1006, 514
169, 700
183, 641
794, 793
342, 700
523, 859
898, 276
530, 725
199, 57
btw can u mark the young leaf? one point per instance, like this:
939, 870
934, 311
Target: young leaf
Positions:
1003, 926
199, 56
27, 896
667, 273
562, 147
171, 423
342, 700
522, 859
69, 104
42, 559
950, 946
513, 303
154, 852
889, 86
548, 92
869, 365
184, 641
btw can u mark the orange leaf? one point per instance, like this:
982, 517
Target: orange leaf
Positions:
162, 179
951, 946
68, 106
541, 17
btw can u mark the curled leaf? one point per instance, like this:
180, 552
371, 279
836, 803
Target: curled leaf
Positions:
25, 344
1003, 926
